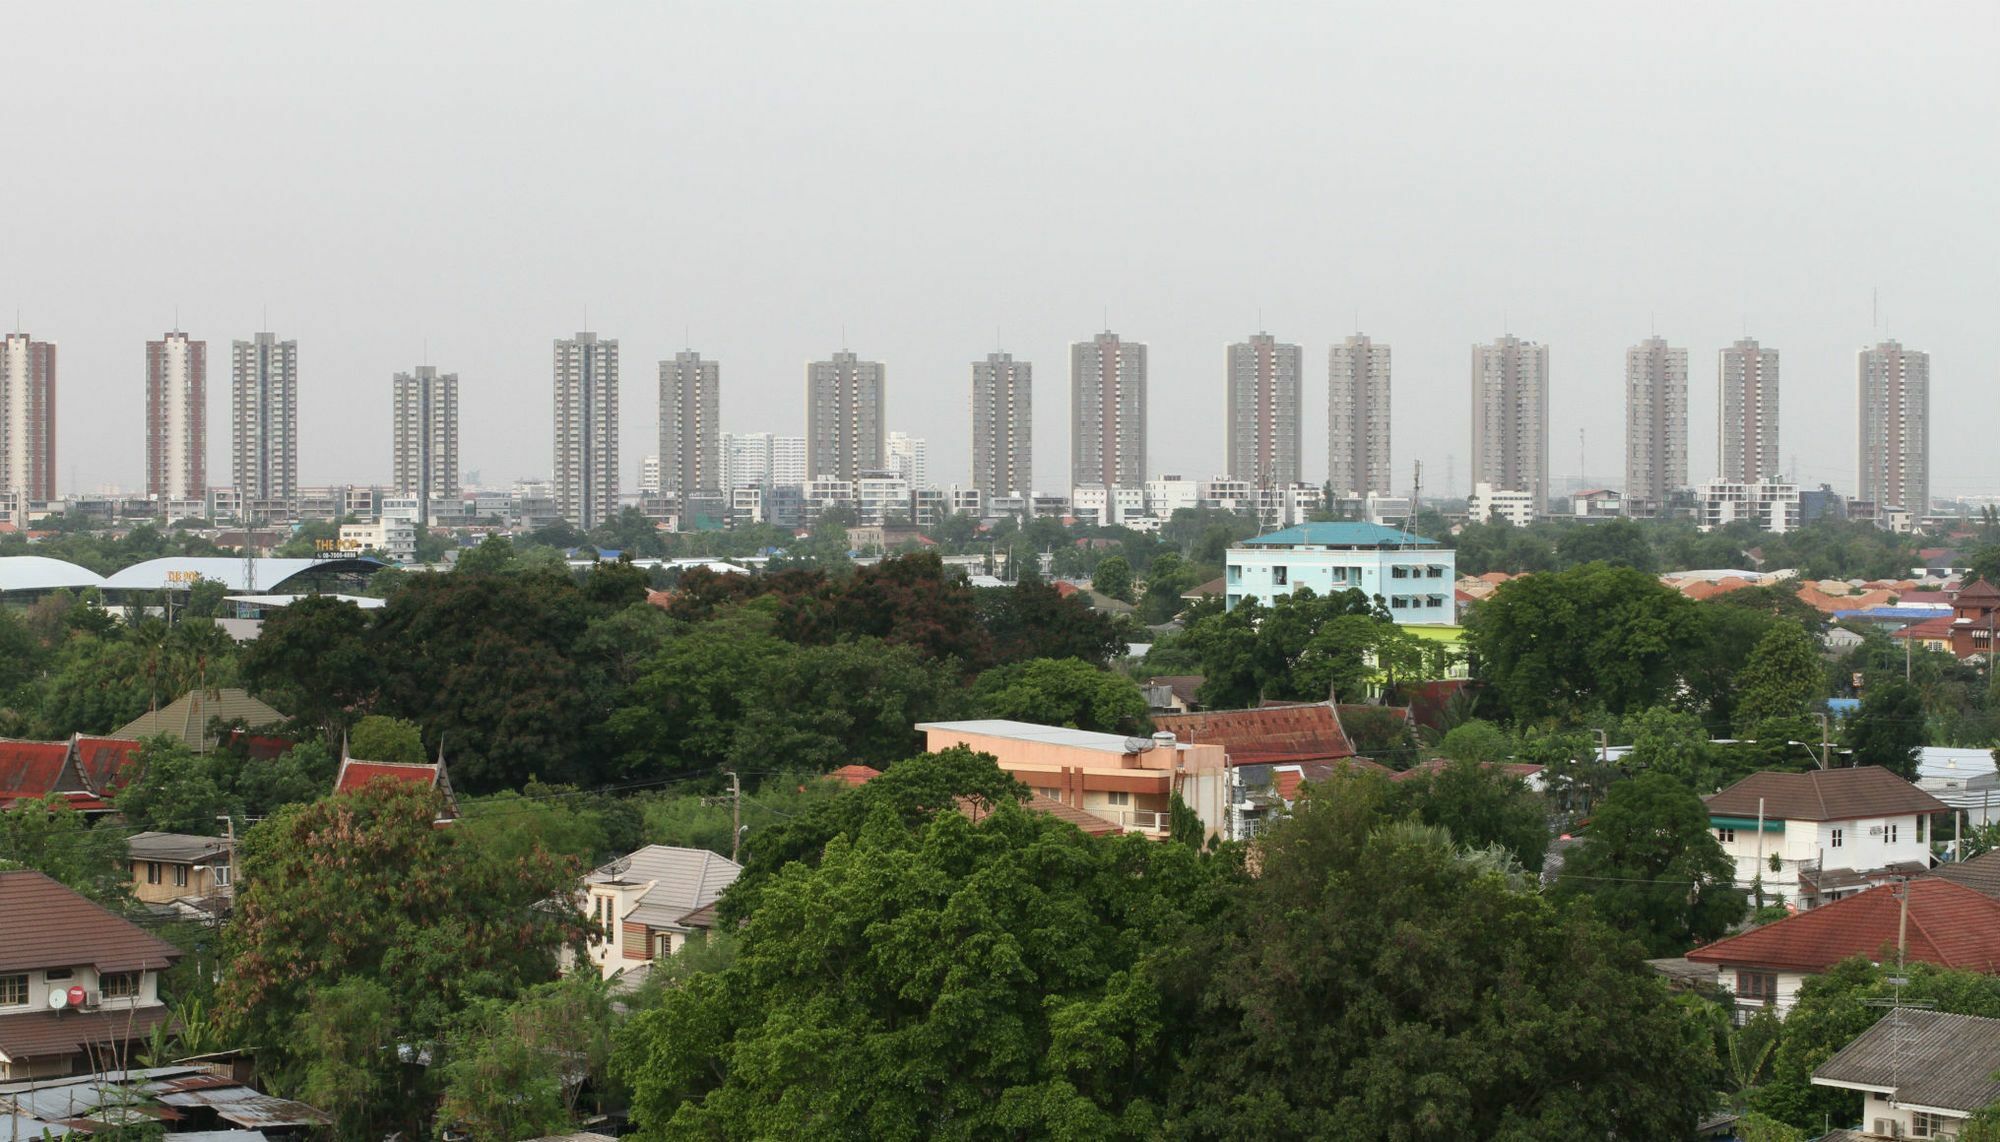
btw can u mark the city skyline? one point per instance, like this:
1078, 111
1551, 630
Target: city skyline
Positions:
363, 266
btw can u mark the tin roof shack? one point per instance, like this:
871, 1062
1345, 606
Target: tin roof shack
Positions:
1129, 781
190, 1103
180, 873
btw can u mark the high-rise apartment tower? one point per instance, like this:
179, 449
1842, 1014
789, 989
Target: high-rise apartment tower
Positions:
845, 430
1510, 417
1003, 426
426, 423
1746, 429
1357, 417
1262, 418
1656, 424
690, 425
264, 422
28, 417
586, 386
1895, 439
176, 418
1107, 406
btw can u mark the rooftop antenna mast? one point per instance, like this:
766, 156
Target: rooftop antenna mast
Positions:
1582, 477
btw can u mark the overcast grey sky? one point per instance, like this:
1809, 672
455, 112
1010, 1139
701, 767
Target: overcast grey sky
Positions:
940, 178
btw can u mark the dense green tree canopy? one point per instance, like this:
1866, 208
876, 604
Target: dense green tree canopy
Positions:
1783, 677
1650, 866
1377, 980
1062, 692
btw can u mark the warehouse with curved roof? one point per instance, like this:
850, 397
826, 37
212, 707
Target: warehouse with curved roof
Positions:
243, 576
37, 575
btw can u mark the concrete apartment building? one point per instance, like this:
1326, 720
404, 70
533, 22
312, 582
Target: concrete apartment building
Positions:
27, 418
1107, 406
1357, 418
1746, 430
762, 459
426, 437
690, 425
846, 430
1003, 426
909, 458
1656, 424
1895, 428
1510, 417
1414, 577
176, 418
264, 424
1261, 421
586, 392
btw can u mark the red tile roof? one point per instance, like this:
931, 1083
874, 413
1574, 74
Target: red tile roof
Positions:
106, 764
1265, 735
855, 774
1823, 795
29, 770
1980, 590
51, 926
1929, 630
1949, 925
355, 774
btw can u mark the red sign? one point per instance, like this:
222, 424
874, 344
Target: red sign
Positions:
76, 997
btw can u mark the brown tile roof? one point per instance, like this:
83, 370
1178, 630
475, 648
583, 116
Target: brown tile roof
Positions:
855, 774
51, 926
1979, 590
1824, 795
45, 1033
1929, 630
1981, 873
188, 716
1090, 823
1435, 765
1269, 734
1949, 925
1214, 586
1700, 589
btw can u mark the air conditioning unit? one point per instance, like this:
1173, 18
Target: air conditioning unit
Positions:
1887, 1127
1876, 831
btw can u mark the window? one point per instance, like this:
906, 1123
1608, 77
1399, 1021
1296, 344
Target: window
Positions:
1924, 1124
1760, 986
1278, 577
222, 876
1119, 799
54, 974
152, 872
118, 984
1726, 836
180, 876
1235, 573
1399, 572
1888, 834
1834, 838
13, 990
1920, 828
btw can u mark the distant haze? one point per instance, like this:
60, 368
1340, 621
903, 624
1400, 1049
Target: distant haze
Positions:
938, 180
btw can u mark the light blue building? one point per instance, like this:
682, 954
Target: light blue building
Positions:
1415, 578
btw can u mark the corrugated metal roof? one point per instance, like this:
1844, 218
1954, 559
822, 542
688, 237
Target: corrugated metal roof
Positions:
40, 573
1923, 1058
50, 926
46, 1033
182, 848
30, 770
683, 880
1308, 732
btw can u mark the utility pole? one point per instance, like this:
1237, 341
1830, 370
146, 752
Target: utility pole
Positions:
1826, 742
735, 816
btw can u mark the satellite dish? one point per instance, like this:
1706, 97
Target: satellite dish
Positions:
618, 866
1138, 745
58, 999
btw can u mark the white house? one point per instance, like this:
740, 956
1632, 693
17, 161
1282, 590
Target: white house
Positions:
645, 905
1413, 576
1923, 1073
1823, 834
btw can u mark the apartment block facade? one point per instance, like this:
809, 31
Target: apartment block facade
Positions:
176, 418
426, 437
1895, 427
1003, 426
690, 425
1656, 424
27, 418
586, 424
264, 422
1357, 418
1261, 420
1510, 417
1746, 430
1107, 432
846, 429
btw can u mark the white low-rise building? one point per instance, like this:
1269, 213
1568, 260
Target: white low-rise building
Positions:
643, 907
1487, 504
1413, 577
1107, 506
1773, 506
1814, 837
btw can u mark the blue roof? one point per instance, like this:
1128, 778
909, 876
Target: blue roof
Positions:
1915, 611
1340, 535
